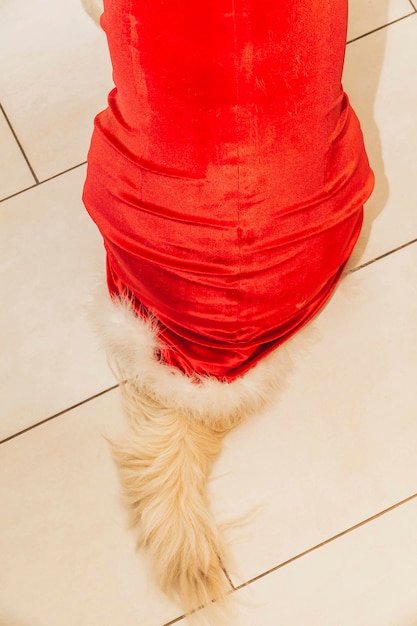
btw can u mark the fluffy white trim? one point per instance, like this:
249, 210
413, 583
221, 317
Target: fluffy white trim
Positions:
132, 346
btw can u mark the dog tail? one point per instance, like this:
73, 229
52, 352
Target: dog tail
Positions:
177, 425
164, 464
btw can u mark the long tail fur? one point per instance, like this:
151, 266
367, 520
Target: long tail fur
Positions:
164, 464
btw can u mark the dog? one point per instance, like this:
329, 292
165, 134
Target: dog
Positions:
227, 177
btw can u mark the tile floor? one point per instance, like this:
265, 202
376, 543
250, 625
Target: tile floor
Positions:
331, 468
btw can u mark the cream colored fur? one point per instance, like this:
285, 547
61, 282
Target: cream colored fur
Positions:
164, 464
176, 428
94, 9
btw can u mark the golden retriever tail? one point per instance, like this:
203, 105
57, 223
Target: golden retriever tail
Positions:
164, 464
176, 427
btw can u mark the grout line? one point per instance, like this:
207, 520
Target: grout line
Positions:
229, 580
52, 417
306, 552
375, 30
231, 590
328, 541
19, 192
32, 171
175, 621
74, 167
382, 256
41, 182
315, 548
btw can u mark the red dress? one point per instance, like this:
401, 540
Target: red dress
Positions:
228, 173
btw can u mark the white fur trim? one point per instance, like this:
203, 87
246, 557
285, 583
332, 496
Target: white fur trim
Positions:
132, 346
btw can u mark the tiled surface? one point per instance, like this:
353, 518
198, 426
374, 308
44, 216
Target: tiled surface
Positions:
368, 15
320, 461
54, 77
50, 252
14, 171
378, 77
365, 578
67, 555
346, 447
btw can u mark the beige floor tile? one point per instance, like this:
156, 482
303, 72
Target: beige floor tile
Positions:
15, 174
54, 77
49, 251
67, 556
341, 442
377, 77
366, 578
367, 15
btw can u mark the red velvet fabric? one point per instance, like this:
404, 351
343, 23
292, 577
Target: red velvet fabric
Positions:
228, 173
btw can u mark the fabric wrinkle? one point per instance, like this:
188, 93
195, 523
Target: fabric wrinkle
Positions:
228, 173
